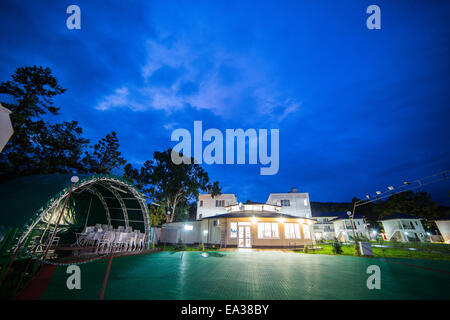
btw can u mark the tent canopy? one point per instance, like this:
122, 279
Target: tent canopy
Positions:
34, 203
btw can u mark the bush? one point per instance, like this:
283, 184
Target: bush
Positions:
305, 248
201, 247
337, 247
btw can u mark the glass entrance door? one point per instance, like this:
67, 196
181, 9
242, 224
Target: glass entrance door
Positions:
244, 237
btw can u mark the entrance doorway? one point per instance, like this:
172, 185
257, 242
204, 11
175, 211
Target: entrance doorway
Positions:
244, 235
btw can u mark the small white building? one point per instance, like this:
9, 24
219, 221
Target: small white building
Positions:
443, 224
404, 227
338, 225
323, 229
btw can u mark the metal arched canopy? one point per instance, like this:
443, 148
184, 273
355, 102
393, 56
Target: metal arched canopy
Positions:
119, 202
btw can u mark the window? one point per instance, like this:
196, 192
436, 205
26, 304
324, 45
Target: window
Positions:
233, 230
305, 202
220, 203
267, 230
200, 216
201, 203
412, 226
285, 203
306, 232
292, 231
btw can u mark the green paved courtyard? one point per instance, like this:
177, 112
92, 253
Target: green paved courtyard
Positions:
254, 275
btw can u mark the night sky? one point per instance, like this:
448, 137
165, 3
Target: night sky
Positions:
357, 109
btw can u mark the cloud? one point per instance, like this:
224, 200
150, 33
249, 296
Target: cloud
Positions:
176, 75
120, 98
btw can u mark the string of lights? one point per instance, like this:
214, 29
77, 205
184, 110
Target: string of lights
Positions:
406, 186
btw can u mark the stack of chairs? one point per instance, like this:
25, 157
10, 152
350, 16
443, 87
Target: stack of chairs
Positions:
100, 239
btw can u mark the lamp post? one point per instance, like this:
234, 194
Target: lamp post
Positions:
352, 221
167, 222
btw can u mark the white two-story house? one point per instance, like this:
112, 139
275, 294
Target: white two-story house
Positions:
284, 220
331, 225
403, 227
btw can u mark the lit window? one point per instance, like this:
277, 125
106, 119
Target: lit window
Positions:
233, 230
306, 232
285, 203
305, 202
188, 227
292, 231
267, 230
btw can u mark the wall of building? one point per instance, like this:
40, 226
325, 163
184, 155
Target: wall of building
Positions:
276, 243
206, 205
299, 203
444, 229
402, 228
344, 232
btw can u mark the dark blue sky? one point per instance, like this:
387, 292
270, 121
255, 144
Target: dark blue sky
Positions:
357, 109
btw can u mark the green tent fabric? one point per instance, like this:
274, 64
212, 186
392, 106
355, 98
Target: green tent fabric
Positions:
33, 204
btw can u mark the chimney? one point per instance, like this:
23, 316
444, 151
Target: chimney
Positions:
294, 190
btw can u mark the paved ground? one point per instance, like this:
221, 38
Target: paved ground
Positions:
255, 275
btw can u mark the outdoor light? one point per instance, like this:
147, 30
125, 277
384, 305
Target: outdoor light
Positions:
205, 232
254, 219
378, 192
349, 213
188, 227
281, 220
406, 183
74, 179
374, 231
428, 233
300, 220
367, 196
391, 188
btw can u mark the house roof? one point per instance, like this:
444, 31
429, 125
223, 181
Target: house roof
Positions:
337, 215
399, 215
257, 214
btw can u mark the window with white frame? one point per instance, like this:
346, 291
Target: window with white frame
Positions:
268, 230
233, 230
306, 231
292, 231
285, 203
220, 203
